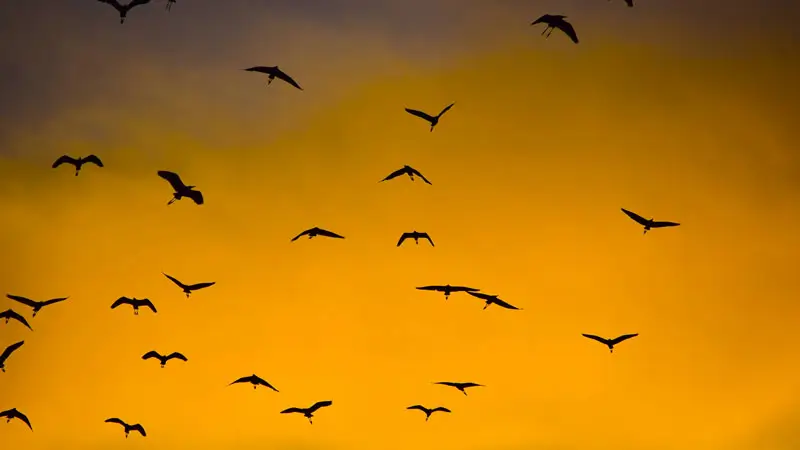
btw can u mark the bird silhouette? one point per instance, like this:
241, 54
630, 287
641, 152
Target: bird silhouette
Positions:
427, 411
13, 413
274, 72
416, 235
188, 288
128, 428
406, 170
7, 352
135, 302
124, 9
432, 119
611, 342
556, 21
628, 2
316, 231
78, 163
447, 289
492, 300
648, 224
163, 359
181, 190
255, 380
308, 412
11, 314
460, 386
36, 305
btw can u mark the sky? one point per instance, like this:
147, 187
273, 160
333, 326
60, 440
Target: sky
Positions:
678, 110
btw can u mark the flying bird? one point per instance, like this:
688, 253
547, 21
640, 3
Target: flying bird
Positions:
255, 380
611, 342
188, 288
308, 412
36, 305
460, 386
406, 170
648, 224
447, 289
163, 359
7, 352
556, 21
316, 231
135, 302
427, 411
11, 314
128, 428
492, 299
274, 72
78, 163
14, 414
181, 190
416, 236
432, 119
123, 9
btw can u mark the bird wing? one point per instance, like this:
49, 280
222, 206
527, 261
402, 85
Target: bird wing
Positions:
419, 407
319, 405
260, 69
431, 288
404, 237
246, 379
175, 280
137, 3
177, 355
568, 29
293, 410
596, 338
395, 174
327, 233
417, 173
463, 289
541, 19
446, 108
173, 179
10, 349
11, 314
426, 236
264, 382
285, 77
481, 295
440, 408
23, 418
663, 224
121, 301
94, 160
624, 337
470, 384
7, 413
138, 427
64, 159
420, 114
115, 420
503, 303
53, 300
301, 235
196, 286
196, 196
149, 304
23, 300
639, 219
151, 354
448, 383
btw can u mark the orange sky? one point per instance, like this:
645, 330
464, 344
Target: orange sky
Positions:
546, 142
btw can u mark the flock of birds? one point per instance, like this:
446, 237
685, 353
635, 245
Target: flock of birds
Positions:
182, 190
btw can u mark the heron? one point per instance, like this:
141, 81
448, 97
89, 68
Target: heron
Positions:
181, 189
7, 352
556, 21
163, 359
256, 381
460, 386
611, 342
124, 9
308, 412
13, 413
136, 303
316, 231
433, 120
416, 235
188, 288
406, 170
36, 305
77, 162
274, 72
428, 412
128, 428
11, 314
648, 224
447, 289
492, 300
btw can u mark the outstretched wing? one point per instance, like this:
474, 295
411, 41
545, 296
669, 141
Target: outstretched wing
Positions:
196, 196
121, 301
440, 408
293, 410
10, 349
624, 337
503, 303
327, 233
151, 354
404, 237
11, 314
446, 108
260, 69
23, 300
264, 382
177, 355
663, 224
246, 379
542, 19
116, 420
300, 235
319, 405
285, 77
53, 300
481, 295
138, 427
470, 384
425, 235
463, 289
149, 304
417, 173
430, 288
420, 114
639, 219
23, 418
568, 29
448, 383
196, 286
137, 3
173, 179
94, 160
596, 338
65, 159
395, 174
175, 280
419, 407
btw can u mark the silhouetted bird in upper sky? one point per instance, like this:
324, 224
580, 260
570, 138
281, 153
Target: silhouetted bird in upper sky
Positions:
432, 119
78, 163
163, 359
123, 9
427, 411
135, 302
406, 170
274, 72
611, 342
188, 288
181, 190
628, 2
492, 299
308, 412
128, 428
316, 231
416, 235
36, 305
14, 414
255, 380
556, 21
7, 352
11, 314
648, 224
460, 386
447, 289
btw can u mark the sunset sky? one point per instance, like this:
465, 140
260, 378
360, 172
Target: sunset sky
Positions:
674, 110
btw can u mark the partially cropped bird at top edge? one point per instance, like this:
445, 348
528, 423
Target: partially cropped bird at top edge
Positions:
13, 413
181, 189
460, 386
7, 352
447, 289
316, 231
256, 381
136, 303
610, 343
628, 2
648, 224
406, 170
170, 3
188, 288
556, 21
428, 411
124, 9
492, 300
416, 235
36, 305
78, 163
433, 120
128, 428
274, 72
308, 412
11, 314
163, 359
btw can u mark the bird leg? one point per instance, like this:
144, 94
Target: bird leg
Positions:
77, 171
486, 305
135, 311
187, 294
463, 391
172, 201
432, 127
3, 369
549, 33
255, 386
269, 80
545, 30
416, 241
163, 364
34, 312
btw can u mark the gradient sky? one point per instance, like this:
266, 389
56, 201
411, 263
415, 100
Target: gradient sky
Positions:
675, 110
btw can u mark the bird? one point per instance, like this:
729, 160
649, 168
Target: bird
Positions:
308, 412
274, 72
123, 9
492, 299
14, 414
163, 359
78, 163
447, 289
181, 190
7, 352
460, 386
36, 305
255, 380
136, 303
556, 21
11, 314
648, 224
316, 231
432, 119
416, 235
188, 288
407, 170
628, 2
427, 411
611, 342
128, 428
